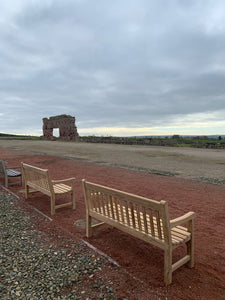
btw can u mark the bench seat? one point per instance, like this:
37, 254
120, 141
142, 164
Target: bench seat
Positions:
179, 234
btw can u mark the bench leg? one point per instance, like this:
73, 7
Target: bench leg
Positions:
168, 266
190, 244
88, 226
26, 191
52, 204
6, 181
73, 199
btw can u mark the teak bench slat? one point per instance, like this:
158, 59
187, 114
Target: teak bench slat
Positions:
143, 218
40, 180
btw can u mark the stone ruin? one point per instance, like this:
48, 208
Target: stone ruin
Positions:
66, 125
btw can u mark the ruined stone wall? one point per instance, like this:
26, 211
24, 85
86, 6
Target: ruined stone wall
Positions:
66, 125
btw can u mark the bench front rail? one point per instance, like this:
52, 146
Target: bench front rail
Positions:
143, 218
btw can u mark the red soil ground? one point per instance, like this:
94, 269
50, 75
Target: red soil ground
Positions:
142, 262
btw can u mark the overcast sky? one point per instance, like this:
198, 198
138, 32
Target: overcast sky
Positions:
121, 67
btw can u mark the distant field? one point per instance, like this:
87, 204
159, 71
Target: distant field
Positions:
18, 137
175, 161
216, 142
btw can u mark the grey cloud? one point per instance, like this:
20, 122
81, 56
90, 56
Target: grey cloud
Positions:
112, 63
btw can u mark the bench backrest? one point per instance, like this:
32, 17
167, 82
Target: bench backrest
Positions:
146, 216
37, 178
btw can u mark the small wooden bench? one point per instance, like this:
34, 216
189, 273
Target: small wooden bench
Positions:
40, 180
143, 218
8, 173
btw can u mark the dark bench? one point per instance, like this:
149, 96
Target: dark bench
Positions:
7, 173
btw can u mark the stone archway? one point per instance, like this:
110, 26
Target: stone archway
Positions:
66, 125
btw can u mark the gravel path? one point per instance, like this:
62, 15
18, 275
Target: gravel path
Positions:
33, 268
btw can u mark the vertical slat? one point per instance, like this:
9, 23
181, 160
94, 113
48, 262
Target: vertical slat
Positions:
93, 200
121, 210
98, 202
145, 220
111, 205
138, 217
102, 203
132, 215
107, 204
116, 204
158, 225
151, 223
127, 213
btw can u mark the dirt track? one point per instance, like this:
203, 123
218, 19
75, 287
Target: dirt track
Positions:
182, 162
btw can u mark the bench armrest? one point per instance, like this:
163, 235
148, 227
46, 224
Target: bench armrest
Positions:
183, 219
71, 180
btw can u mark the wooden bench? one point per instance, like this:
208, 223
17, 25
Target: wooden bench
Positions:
40, 180
143, 218
8, 173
